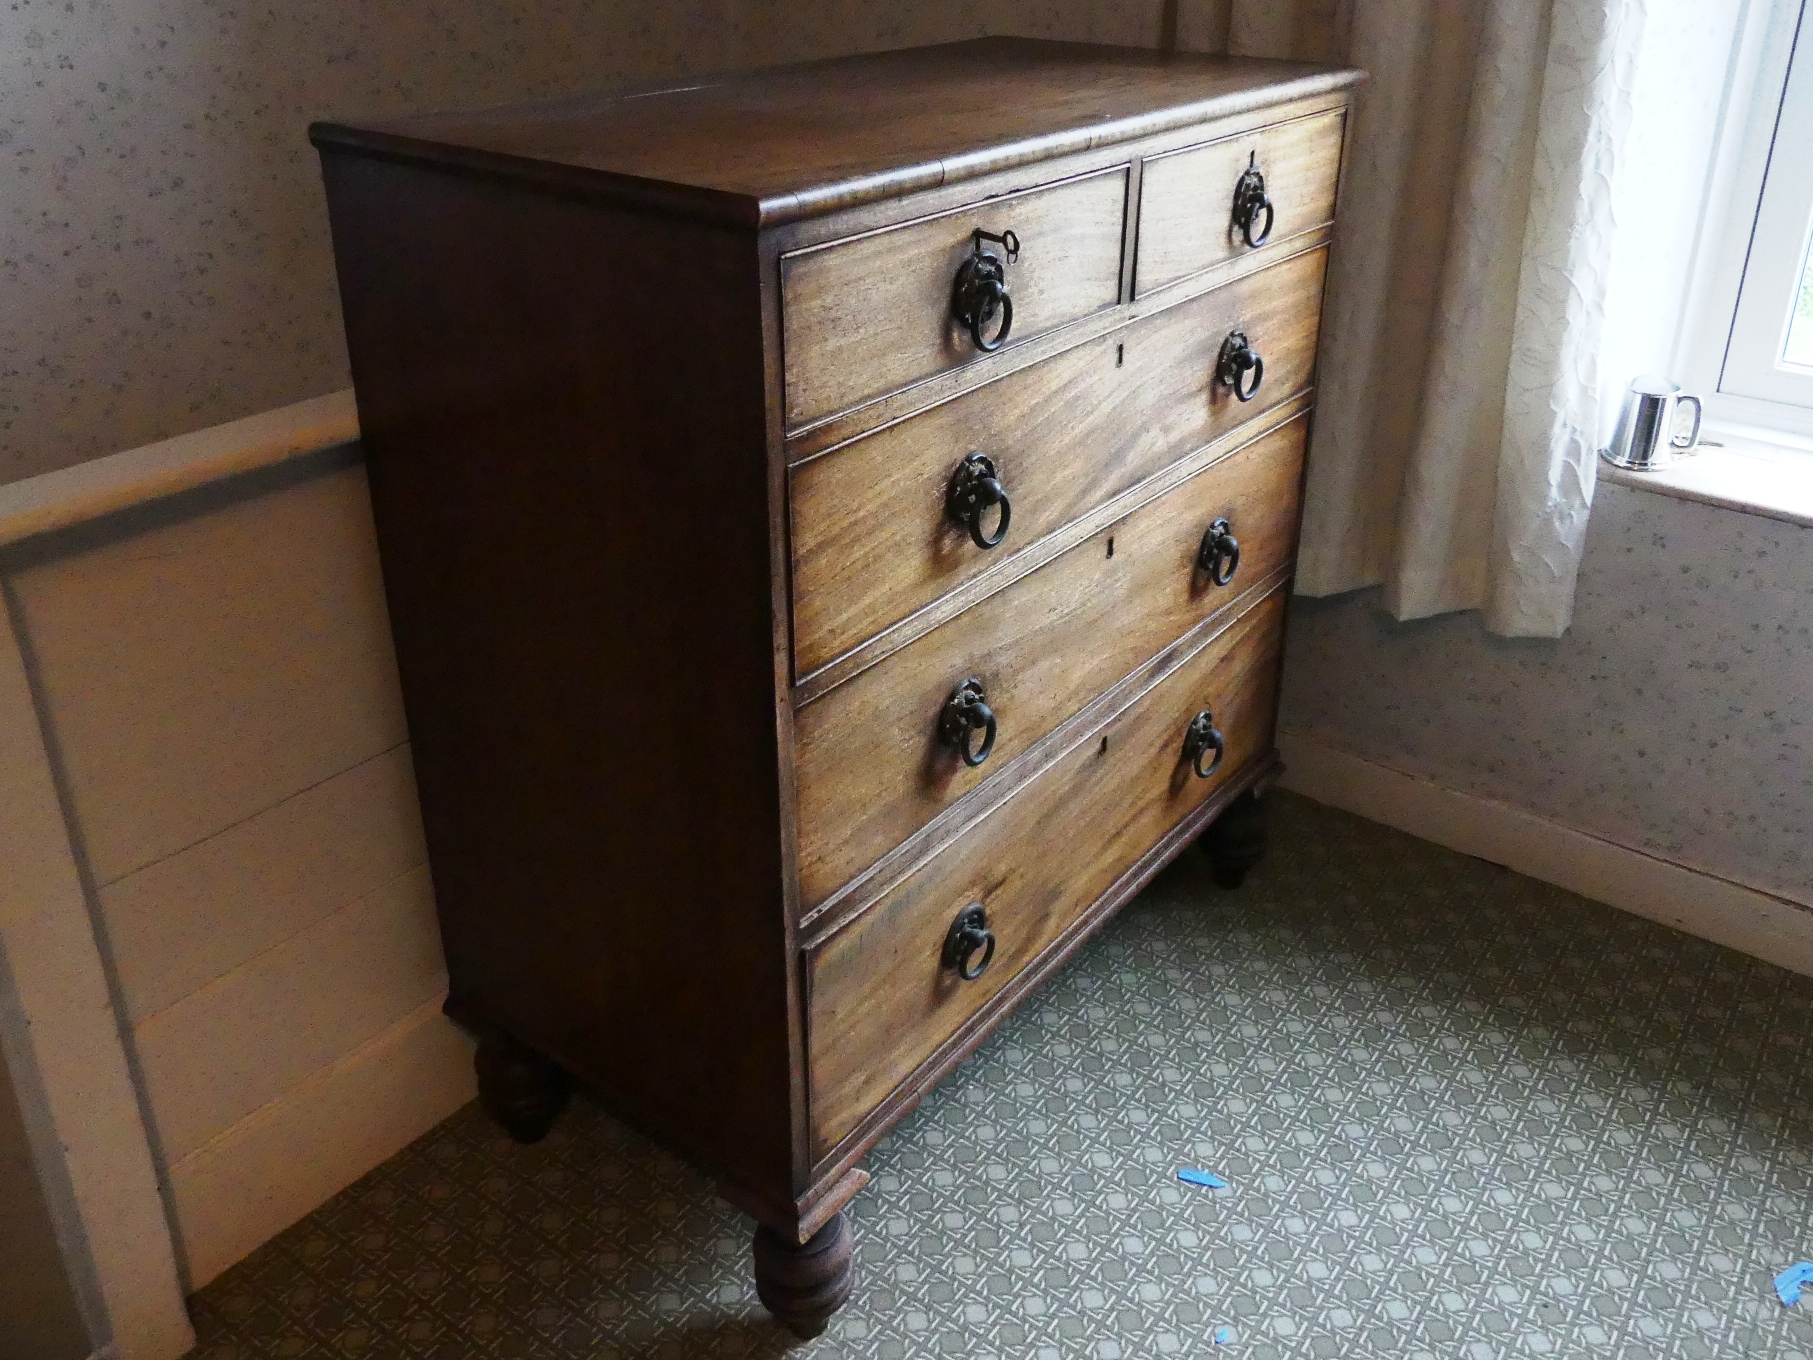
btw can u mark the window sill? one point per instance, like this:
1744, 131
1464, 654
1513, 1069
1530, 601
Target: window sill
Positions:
1751, 474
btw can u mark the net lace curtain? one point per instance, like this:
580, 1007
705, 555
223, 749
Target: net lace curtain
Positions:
1477, 337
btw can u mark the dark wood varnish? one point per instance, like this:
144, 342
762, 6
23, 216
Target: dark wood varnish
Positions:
871, 770
880, 1001
598, 759
803, 1283
770, 147
522, 1090
1236, 842
863, 317
1186, 199
871, 540
660, 393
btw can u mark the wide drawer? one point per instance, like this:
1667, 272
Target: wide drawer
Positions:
867, 315
1187, 198
871, 537
871, 768
880, 1000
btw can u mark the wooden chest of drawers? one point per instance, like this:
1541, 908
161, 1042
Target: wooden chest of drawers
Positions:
836, 523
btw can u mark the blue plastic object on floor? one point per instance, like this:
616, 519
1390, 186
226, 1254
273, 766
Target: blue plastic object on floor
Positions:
1223, 1335
1208, 1178
1788, 1283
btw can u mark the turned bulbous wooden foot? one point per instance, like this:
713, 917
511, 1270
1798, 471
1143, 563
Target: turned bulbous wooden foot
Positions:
803, 1285
519, 1088
1235, 841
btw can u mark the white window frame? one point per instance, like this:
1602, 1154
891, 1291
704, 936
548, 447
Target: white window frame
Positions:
1754, 235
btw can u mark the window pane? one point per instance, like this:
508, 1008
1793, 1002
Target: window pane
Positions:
1766, 361
1799, 349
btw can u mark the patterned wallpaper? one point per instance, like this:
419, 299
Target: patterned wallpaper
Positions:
1676, 715
164, 253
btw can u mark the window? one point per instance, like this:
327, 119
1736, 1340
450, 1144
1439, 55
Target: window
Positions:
1751, 348
1770, 354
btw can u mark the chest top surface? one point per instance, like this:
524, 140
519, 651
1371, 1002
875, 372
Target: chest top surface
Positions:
775, 145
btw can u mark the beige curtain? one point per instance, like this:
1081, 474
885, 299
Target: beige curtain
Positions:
1462, 398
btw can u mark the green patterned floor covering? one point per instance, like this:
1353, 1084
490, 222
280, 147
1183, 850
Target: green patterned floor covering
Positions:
1463, 1115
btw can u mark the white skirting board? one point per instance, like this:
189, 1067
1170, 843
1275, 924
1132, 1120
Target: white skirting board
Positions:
235, 1193
1747, 919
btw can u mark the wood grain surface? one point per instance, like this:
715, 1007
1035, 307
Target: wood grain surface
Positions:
870, 767
589, 680
762, 147
864, 317
871, 542
1187, 198
879, 1001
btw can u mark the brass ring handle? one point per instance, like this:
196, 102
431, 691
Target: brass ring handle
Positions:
975, 487
979, 292
1237, 362
969, 936
1250, 200
965, 713
1199, 739
1219, 554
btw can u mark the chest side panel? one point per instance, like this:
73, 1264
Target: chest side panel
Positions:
577, 563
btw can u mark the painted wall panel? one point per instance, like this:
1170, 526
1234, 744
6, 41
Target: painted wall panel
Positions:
64, 1061
244, 1039
271, 1168
178, 924
201, 670
39, 1316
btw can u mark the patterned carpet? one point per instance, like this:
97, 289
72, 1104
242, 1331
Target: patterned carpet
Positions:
1461, 1114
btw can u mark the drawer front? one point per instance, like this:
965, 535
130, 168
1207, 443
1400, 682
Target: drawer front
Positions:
1186, 215
867, 316
871, 768
871, 538
879, 1000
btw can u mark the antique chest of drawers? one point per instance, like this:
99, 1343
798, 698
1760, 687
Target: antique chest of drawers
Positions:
836, 522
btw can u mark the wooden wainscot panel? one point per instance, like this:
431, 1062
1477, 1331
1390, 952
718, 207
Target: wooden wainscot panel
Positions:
881, 1001
1186, 220
864, 316
871, 538
872, 769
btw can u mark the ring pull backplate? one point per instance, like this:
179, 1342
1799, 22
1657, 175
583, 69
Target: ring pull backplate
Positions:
975, 488
969, 937
979, 292
966, 713
1251, 205
1203, 738
1240, 366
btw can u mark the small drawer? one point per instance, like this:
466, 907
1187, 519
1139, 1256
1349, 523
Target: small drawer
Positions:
872, 763
868, 315
1188, 218
873, 538
880, 1000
